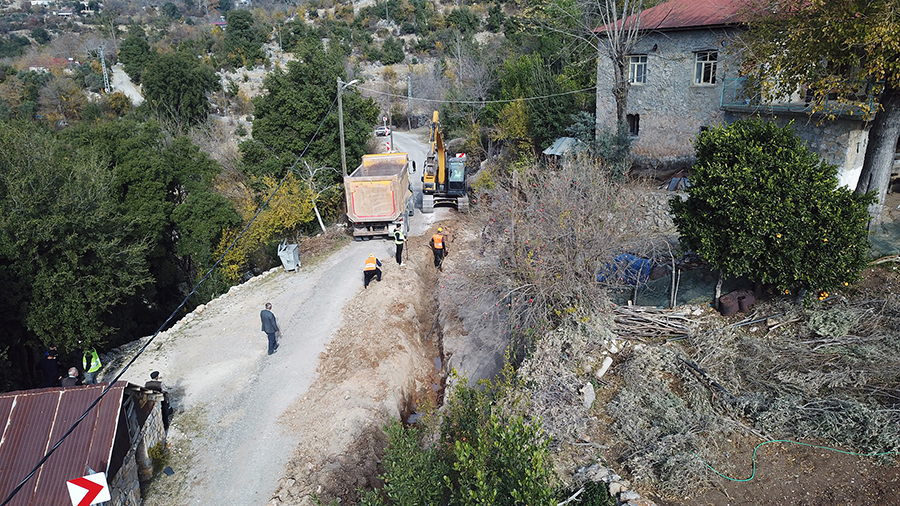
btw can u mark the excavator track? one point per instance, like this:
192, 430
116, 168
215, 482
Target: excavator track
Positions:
462, 204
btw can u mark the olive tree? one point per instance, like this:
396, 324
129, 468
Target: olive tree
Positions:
762, 205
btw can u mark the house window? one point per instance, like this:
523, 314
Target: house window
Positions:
637, 69
705, 69
634, 123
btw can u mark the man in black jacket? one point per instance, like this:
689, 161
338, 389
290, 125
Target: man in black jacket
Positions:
270, 327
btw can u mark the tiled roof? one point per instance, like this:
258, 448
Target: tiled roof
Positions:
691, 14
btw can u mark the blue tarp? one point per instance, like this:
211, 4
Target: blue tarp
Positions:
626, 269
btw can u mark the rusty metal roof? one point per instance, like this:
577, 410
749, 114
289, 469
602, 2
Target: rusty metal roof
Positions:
34, 420
692, 14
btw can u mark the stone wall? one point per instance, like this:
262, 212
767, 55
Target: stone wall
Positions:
125, 486
670, 106
672, 109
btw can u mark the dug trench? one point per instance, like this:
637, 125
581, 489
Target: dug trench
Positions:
384, 362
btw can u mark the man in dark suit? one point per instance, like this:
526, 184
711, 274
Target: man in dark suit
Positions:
270, 327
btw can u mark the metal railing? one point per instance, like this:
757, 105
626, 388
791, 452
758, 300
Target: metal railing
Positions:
739, 97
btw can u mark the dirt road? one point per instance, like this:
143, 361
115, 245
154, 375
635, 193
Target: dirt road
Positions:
121, 82
244, 416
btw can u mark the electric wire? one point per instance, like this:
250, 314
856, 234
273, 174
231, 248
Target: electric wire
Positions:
755, 450
171, 316
475, 102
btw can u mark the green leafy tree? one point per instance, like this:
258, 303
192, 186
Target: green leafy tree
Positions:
175, 85
243, 42
464, 19
836, 47
287, 118
135, 53
66, 244
762, 205
496, 18
164, 188
392, 51
225, 6
40, 35
171, 10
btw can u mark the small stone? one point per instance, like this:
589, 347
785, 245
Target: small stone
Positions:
697, 312
629, 495
616, 488
589, 395
754, 328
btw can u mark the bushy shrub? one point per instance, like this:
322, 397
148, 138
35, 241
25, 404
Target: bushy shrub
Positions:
762, 205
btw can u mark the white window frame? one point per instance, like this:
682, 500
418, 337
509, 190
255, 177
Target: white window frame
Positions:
637, 62
705, 67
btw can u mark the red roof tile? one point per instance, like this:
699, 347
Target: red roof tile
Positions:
688, 14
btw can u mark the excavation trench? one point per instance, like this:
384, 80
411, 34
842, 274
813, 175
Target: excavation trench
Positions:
385, 362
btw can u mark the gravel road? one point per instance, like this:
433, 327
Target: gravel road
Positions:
233, 399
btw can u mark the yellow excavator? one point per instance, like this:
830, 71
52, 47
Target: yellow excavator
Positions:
444, 177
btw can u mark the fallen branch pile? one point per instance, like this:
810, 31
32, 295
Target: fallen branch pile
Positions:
642, 323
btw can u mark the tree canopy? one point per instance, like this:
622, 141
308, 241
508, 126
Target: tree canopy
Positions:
176, 84
848, 48
288, 116
762, 205
243, 41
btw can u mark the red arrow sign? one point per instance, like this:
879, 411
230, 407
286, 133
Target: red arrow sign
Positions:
93, 487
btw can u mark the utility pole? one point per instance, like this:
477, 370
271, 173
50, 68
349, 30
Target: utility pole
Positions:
408, 102
340, 88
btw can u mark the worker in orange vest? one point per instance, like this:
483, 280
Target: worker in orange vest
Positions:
439, 246
372, 270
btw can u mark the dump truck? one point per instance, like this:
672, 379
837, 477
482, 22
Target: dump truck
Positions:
443, 177
378, 195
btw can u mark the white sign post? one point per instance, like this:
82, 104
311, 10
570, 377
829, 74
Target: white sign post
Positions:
91, 489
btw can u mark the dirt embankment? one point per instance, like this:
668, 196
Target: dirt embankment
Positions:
377, 367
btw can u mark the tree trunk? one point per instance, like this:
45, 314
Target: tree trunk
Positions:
876, 171
620, 91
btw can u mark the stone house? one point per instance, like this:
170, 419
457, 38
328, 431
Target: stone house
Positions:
114, 438
685, 76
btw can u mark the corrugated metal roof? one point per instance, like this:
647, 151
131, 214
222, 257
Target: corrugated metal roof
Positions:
34, 420
691, 14
565, 145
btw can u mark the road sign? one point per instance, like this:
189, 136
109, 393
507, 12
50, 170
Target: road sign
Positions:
388, 146
383, 119
91, 489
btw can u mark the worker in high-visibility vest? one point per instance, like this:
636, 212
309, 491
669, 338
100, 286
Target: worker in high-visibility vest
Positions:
399, 240
372, 270
439, 246
91, 363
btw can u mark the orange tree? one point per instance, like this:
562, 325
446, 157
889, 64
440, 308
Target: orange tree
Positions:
762, 205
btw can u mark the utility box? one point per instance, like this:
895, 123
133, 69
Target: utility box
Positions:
290, 255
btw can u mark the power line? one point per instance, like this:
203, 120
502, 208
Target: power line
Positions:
477, 102
172, 315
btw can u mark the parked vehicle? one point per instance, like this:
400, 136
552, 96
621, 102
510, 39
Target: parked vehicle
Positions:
382, 131
379, 196
443, 176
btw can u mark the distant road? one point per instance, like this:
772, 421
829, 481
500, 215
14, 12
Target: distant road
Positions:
121, 82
